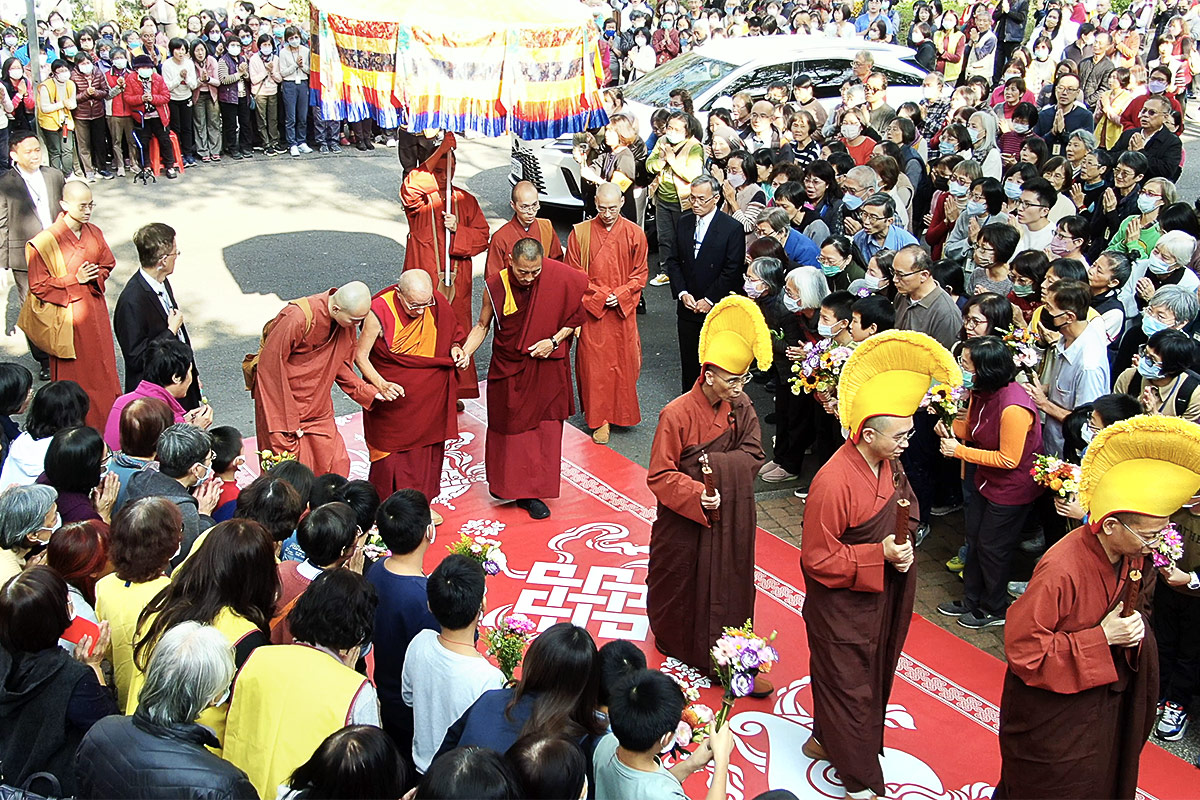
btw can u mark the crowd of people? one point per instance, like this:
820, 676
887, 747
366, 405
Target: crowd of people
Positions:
1022, 220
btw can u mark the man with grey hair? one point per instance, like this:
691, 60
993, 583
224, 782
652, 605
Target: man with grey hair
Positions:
857, 185
160, 751
28, 515
775, 223
1169, 307
879, 229
185, 477
706, 265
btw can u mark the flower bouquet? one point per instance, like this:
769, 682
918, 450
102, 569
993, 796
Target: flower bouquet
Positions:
1055, 474
375, 549
739, 655
694, 727
269, 459
482, 549
1169, 548
944, 400
820, 368
1025, 352
507, 642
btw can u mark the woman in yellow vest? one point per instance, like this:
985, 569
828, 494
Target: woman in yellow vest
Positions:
55, 102
145, 535
288, 698
231, 583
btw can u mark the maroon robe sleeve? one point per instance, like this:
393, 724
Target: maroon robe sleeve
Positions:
835, 504
675, 489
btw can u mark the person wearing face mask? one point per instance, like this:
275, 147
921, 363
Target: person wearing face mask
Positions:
56, 100
120, 121
1161, 79
148, 98
264, 88
951, 44
233, 94
1138, 233
28, 517
851, 132
18, 90
1162, 379
665, 40
206, 110
91, 125
182, 76
292, 68
840, 262
76, 467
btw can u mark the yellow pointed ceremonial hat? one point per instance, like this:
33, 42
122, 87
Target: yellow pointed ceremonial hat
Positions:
734, 335
889, 374
1142, 465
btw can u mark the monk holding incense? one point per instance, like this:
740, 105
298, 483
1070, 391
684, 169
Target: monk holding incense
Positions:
431, 223
69, 263
307, 348
536, 304
611, 251
700, 578
857, 555
1082, 682
525, 224
411, 352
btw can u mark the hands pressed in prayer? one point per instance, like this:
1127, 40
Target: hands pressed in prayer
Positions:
207, 495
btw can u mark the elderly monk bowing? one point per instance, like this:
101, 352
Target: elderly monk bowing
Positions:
860, 580
308, 347
700, 577
611, 250
430, 221
69, 263
1082, 682
525, 224
536, 304
410, 350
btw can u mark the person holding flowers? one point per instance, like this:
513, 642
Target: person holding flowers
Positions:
1176, 621
1080, 691
859, 578
1000, 434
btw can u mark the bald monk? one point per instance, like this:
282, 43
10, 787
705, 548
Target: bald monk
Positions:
309, 346
411, 352
423, 193
69, 263
536, 304
525, 224
611, 251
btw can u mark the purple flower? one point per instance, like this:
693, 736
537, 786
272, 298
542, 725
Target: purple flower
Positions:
750, 658
491, 567
741, 684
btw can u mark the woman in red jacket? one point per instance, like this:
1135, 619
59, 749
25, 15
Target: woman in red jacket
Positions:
147, 97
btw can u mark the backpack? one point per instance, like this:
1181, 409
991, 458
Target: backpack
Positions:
1183, 398
250, 362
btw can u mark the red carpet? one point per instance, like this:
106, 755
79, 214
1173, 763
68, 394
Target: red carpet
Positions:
586, 564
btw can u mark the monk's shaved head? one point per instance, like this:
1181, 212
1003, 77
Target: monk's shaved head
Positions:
525, 202
76, 192
524, 192
525, 263
77, 202
609, 193
416, 287
350, 304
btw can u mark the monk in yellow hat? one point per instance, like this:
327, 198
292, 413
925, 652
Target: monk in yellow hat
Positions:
700, 577
859, 579
1082, 682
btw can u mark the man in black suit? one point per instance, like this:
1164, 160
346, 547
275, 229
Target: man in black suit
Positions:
30, 197
708, 264
1155, 140
146, 309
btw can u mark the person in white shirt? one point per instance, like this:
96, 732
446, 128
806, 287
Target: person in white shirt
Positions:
444, 673
293, 72
1033, 215
182, 77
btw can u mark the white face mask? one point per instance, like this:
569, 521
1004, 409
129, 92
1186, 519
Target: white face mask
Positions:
86, 69
736, 179
119, 63
145, 73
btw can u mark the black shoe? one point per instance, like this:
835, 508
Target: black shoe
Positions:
108, 176
247, 154
237, 154
641, 306
769, 419
44, 374
953, 608
536, 508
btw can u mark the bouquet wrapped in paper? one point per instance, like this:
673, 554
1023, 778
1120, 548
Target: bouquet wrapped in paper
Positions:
1169, 548
944, 400
507, 642
820, 368
482, 549
738, 657
1055, 474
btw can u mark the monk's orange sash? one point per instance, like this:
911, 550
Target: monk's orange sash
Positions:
417, 337
510, 301
47, 325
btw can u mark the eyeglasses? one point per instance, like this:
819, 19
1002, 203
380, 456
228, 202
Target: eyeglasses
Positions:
87, 206
738, 380
897, 438
867, 216
971, 322
900, 275
702, 198
1024, 204
415, 307
529, 206
1154, 539
1143, 351
1124, 172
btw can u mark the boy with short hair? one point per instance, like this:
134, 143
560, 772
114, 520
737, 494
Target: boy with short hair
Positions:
645, 711
406, 527
227, 457
619, 659
871, 315
443, 672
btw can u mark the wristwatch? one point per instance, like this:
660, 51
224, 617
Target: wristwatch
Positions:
1194, 582
554, 342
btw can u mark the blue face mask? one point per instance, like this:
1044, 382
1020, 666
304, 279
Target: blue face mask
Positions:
852, 201
1146, 203
1148, 369
958, 189
975, 208
1012, 190
791, 304
1157, 265
1151, 326
968, 379
947, 147
825, 330
974, 134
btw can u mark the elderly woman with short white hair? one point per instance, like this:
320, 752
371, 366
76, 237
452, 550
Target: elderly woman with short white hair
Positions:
28, 515
982, 127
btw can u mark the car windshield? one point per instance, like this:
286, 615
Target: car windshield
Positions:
689, 71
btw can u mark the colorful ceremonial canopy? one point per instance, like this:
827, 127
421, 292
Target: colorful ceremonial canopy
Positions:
530, 66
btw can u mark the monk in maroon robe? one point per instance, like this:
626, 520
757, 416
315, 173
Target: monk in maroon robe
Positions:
536, 305
69, 263
525, 224
410, 350
611, 251
308, 348
423, 194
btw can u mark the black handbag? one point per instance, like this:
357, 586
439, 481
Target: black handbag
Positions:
22, 792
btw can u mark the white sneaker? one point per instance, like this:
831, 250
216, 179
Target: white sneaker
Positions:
304, 148
767, 467
660, 279
777, 475
295, 151
391, 143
